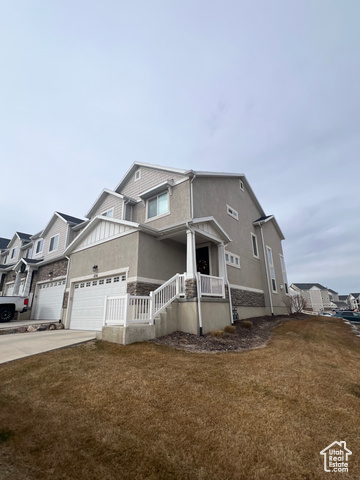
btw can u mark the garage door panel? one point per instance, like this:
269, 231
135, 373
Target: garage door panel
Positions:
89, 298
49, 301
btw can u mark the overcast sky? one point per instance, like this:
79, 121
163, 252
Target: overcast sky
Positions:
269, 88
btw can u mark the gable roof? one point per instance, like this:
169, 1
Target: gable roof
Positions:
101, 197
267, 218
4, 242
66, 218
343, 298
308, 286
23, 236
355, 294
332, 291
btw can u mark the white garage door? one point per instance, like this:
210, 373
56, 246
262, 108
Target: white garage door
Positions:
88, 301
49, 301
10, 289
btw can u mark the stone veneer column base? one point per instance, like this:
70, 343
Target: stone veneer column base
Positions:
190, 288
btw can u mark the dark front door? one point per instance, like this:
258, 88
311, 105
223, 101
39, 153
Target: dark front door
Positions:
202, 260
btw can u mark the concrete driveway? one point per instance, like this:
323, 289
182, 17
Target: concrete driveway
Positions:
22, 345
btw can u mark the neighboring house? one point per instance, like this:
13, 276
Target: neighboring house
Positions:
199, 238
316, 296
353, 301
17, 248
40, 270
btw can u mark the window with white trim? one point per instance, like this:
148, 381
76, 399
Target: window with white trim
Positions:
232, 259
271, 268
54, 243
109, 213
14, 253
137, 175
283, 269
232, 212
254, 244
158, 205
241, 185
39, 246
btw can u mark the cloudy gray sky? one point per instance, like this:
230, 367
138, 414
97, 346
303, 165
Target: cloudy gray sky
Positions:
266, 88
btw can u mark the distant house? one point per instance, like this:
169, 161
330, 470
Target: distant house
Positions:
316, 296
353, 301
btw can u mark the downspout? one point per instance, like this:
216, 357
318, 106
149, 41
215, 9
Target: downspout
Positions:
192, 197
267, 270
66, 282
229, 290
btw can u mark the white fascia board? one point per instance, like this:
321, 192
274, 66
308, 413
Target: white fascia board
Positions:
27, 245
215, 223
158, 188
92, 224
37, 235
137, 165
106, 191
50, 224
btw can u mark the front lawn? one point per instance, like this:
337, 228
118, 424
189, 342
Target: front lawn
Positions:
108, 412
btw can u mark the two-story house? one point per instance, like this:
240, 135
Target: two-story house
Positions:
199, 241
37, 267
315, 295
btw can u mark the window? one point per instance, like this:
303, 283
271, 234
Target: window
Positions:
241, 185
232, 259
231, 211
29, 253
109, 213
137, 175
283, 269
39, 246
54, 243
271, 267
13, 253
254, 245
158, 205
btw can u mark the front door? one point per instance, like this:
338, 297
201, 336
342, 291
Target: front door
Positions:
203, 260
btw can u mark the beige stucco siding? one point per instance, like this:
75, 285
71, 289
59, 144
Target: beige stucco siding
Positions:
110, 201
179, 206
211, 197
150, 177
160, 259
108, 256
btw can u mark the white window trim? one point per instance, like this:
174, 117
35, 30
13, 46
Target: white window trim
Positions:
241, 185
234, 256
271, 267
13, 253
107, 211
57, 247
137, 175
284, 274
42, 247
252, 245
157, 216
232, 212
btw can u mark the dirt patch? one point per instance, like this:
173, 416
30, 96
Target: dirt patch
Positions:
249, 334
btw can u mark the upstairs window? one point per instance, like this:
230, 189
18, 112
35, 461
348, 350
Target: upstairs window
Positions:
29, 253
54, 243
158, 205
39, 246
232, 212
254, 245
241, 185
271, 268
109, 213
137, 175
13, 253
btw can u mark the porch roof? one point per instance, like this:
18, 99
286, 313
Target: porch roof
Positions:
207, 227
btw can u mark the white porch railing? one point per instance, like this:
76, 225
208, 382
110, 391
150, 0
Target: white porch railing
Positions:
131, 309
211, 286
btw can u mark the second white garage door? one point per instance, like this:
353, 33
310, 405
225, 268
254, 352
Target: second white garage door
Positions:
88, 301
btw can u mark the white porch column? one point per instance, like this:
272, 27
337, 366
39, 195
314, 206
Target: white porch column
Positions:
222, 264
190, 272
17, 284
28, 282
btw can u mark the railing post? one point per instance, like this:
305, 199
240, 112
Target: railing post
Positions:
223, 287
152, 308
126, 309
105, 308
177, 285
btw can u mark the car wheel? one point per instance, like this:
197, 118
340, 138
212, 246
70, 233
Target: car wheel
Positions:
6, 314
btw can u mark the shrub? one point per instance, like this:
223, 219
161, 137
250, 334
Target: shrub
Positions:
247, 324
217, 333
230, 329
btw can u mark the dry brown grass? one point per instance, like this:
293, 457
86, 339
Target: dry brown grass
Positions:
107, 412
230, 329
217, 333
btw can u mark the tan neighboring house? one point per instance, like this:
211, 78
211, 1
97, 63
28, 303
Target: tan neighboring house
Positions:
39, 267
316, 296
171, 249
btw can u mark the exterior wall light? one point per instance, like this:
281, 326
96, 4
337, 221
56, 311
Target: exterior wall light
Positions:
95, 268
